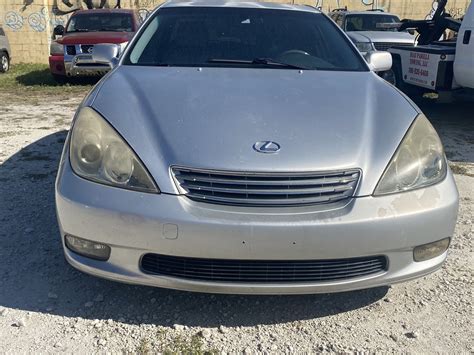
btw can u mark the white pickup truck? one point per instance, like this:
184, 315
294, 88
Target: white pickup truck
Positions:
433, 65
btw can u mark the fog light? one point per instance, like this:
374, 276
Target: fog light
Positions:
430, 250
88, 248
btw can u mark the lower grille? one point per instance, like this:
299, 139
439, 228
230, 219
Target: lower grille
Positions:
266, 189
262, 271
383, 46
93, 65
71, 50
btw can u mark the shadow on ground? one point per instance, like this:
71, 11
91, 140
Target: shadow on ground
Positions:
32, 266
43, 77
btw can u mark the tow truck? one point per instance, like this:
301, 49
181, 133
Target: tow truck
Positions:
434, 64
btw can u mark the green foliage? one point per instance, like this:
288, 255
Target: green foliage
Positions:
178, 345
36, 78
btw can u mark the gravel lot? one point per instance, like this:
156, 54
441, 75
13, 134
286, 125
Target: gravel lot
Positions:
47, 306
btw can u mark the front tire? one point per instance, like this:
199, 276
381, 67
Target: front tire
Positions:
4, 62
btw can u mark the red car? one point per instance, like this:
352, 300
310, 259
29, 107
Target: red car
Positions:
70, 55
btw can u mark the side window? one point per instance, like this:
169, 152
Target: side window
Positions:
355, 23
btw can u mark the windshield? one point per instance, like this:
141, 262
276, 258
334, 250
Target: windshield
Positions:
243, 37
368, 22
113, 22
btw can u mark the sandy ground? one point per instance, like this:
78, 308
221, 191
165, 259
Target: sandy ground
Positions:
47, 306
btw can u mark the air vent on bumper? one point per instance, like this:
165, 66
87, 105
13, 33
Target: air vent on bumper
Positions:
262, 271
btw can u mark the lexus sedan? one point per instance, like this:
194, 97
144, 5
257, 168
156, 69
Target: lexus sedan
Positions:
245, 147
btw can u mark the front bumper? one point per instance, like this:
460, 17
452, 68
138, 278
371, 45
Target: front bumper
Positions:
134, 224
83, 65
79, 65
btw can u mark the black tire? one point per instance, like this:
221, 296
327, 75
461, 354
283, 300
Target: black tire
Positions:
4, 62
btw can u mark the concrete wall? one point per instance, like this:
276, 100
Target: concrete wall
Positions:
29, 23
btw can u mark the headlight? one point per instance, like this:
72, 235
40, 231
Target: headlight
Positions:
56, 48
364, 46
418, 162
98, 153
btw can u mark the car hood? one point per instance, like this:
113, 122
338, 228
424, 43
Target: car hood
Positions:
211, 118
96, 37
387, 36
356, 37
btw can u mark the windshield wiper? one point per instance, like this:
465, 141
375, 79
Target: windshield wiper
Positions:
81, 30
273, 62
256, 61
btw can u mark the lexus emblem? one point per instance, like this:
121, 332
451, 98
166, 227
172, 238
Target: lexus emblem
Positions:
267, 147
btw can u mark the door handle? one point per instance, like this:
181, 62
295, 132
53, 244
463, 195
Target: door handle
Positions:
467, 37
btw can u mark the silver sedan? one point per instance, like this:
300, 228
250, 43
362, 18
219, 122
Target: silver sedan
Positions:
227, 152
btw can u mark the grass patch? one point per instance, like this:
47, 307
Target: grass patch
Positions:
174, 345
36, 78
180, 345
460, 170
144, 348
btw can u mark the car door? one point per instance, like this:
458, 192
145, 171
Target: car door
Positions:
464, 61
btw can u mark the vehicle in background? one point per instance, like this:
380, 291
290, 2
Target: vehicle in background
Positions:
5, 52
373, 25
433, 65
70, 55
373, 30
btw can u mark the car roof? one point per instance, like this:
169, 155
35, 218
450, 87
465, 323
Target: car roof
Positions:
369, 12
104, 11
239, 4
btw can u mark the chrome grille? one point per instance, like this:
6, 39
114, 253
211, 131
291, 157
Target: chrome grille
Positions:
262, 271
266, 189
71, 50
86, 47
383, 46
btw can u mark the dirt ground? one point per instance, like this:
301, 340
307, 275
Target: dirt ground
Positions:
47, 306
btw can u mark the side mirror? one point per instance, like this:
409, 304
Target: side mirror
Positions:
58, 30
106, 53
411, 31
379, 61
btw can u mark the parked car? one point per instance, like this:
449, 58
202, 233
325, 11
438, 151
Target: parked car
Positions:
70, 55
373, 30
5, 52
377, 26
243, 157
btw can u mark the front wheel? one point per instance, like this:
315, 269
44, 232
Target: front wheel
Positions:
4, 62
